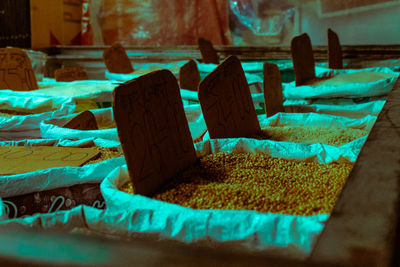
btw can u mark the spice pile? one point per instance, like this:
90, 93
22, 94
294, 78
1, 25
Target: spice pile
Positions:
245, 181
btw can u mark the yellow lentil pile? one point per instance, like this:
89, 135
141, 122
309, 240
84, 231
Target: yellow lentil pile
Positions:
105, 153
310, 134
245, 181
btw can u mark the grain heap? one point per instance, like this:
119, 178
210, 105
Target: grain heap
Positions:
106, 153
245, 181
357, 77
313, 134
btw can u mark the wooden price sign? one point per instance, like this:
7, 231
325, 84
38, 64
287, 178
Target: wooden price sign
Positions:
226, 102
273, 97
69, 74
335, 58
116, 59
16, 72
21, 159
303, 59
189, 76
153, 130
207, 51
83, 121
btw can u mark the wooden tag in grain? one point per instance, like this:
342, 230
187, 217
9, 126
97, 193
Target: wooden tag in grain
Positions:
226, 102
207, 51
83, 121
335, 58
116, 59
189, 76
69, 74
16, 72
303, 59
273, 97
153, 130
22, 159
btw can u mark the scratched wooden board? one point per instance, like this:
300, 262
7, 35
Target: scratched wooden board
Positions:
16, 72
273, 97
116, 59
226, 102
189, 76
335, 57
362, 227
83, 121
208, 53
69, 74
153, 130
303, 59
21, 159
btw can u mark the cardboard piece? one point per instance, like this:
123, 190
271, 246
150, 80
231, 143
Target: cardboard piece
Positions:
226, 102
303, 59
335, 58
207, 51
16, 72
273, 96
84, 121
117, 60
22, 159
153, 130
189, 76
69, 74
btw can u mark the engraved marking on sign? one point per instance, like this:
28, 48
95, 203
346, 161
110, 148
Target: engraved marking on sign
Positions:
153, 130
226, 102
16, 72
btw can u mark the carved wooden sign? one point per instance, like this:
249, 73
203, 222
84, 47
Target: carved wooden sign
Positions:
189, 76
21, 159
273, 97
83, 121
16, 72
303, 59
116, 59
226, 102
207, 51
335, 58
153, 130
69, 74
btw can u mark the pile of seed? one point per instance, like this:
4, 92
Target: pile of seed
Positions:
245, 181
310, 134
105, 153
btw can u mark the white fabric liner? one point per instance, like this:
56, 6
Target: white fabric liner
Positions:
261, 231
141, 217
348, 90
52, 128
100, 90
45, 106
253, 70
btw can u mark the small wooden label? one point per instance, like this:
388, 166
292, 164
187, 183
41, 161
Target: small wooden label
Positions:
207, 51
153, 130
16, 72
84, 121
21, 159
226, 102
116, 59
335, 58
189, 76
69, 74
273, 97
303, 59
